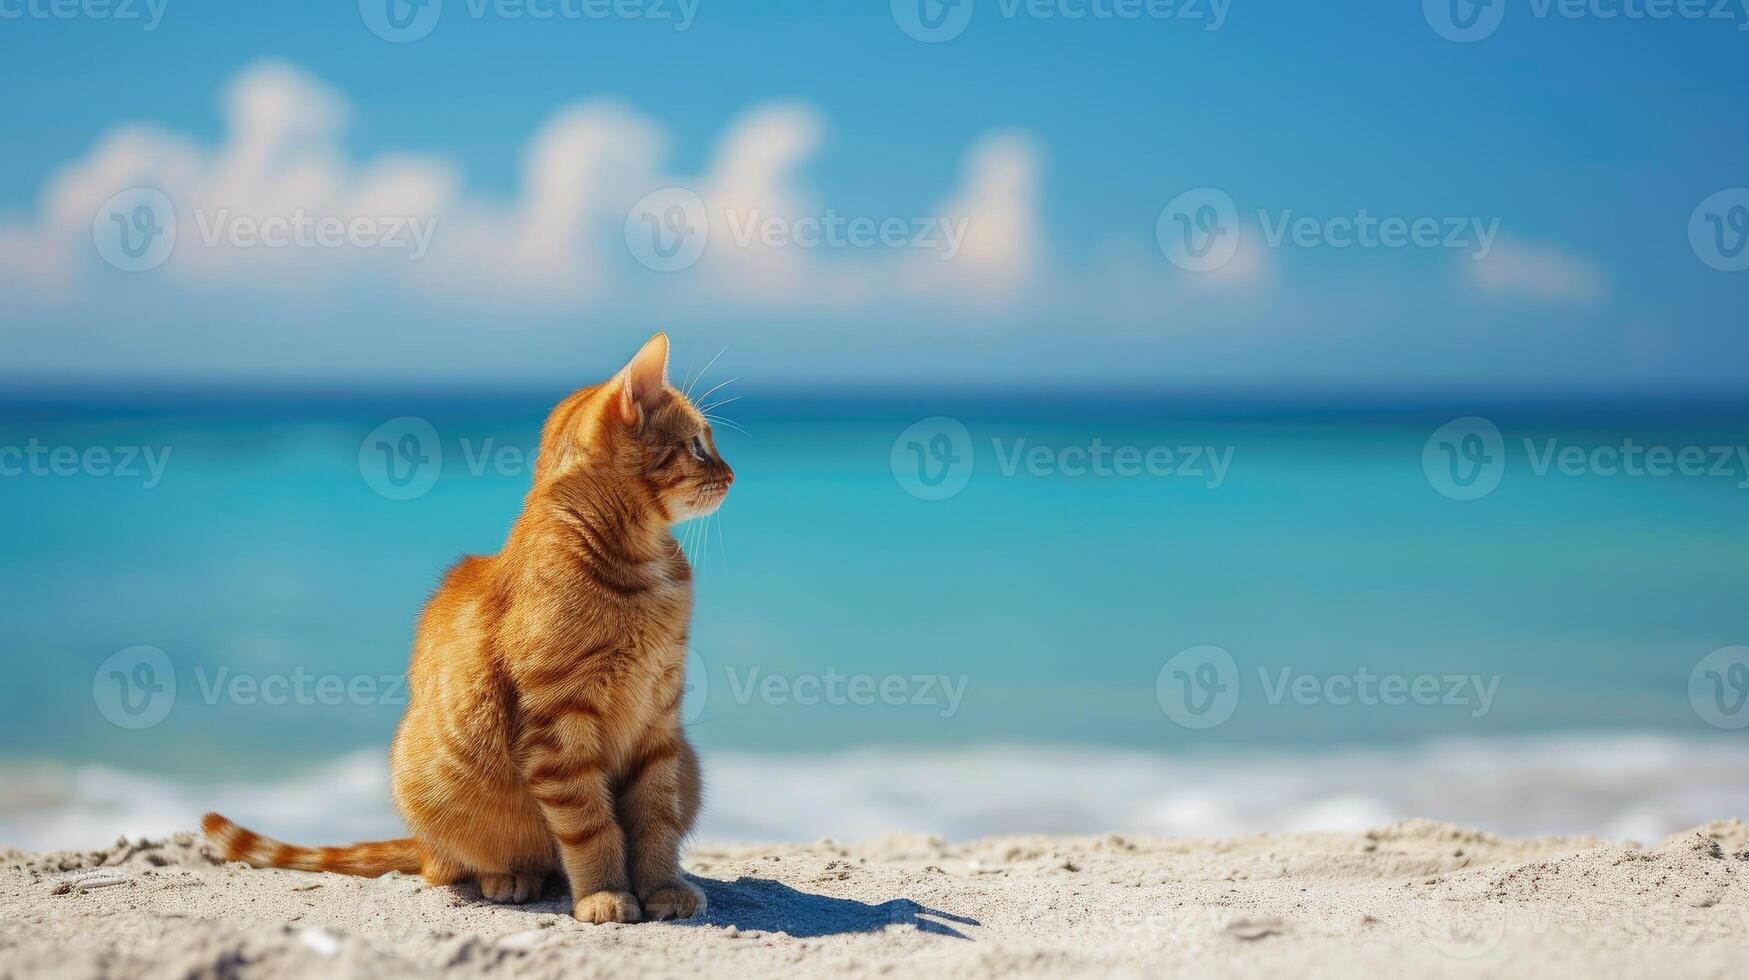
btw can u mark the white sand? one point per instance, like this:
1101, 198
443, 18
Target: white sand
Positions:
1417, 898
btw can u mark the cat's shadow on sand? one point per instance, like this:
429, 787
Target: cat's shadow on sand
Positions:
771, 906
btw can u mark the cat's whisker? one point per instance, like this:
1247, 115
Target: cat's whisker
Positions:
719, 420
705, 371
721, 546
716, 405
715, 389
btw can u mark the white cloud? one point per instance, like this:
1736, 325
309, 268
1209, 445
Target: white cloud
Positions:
756, 174
998, 202
552, 244
1541, 271
559, 243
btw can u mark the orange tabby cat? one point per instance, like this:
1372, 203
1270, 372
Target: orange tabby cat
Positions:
542, 731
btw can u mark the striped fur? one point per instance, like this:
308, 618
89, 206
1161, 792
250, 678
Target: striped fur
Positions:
369, 860
542, 735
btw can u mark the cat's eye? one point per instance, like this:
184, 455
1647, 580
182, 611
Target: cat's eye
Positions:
697, 447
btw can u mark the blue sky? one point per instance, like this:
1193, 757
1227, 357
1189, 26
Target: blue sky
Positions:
1586, 142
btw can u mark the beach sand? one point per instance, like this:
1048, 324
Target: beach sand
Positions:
1415, 898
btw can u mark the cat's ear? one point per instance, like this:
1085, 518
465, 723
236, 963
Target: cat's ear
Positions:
643, 381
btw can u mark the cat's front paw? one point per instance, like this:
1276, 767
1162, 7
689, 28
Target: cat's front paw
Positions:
674, 900
607, 907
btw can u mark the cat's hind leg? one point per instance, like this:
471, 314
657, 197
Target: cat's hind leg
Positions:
511, 888
438, 870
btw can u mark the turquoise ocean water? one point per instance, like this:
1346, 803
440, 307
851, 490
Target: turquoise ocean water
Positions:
1000, 659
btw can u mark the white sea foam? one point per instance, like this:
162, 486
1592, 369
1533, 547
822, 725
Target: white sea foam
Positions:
1619, 786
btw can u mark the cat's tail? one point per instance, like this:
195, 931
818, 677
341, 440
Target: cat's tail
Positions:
369, 860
